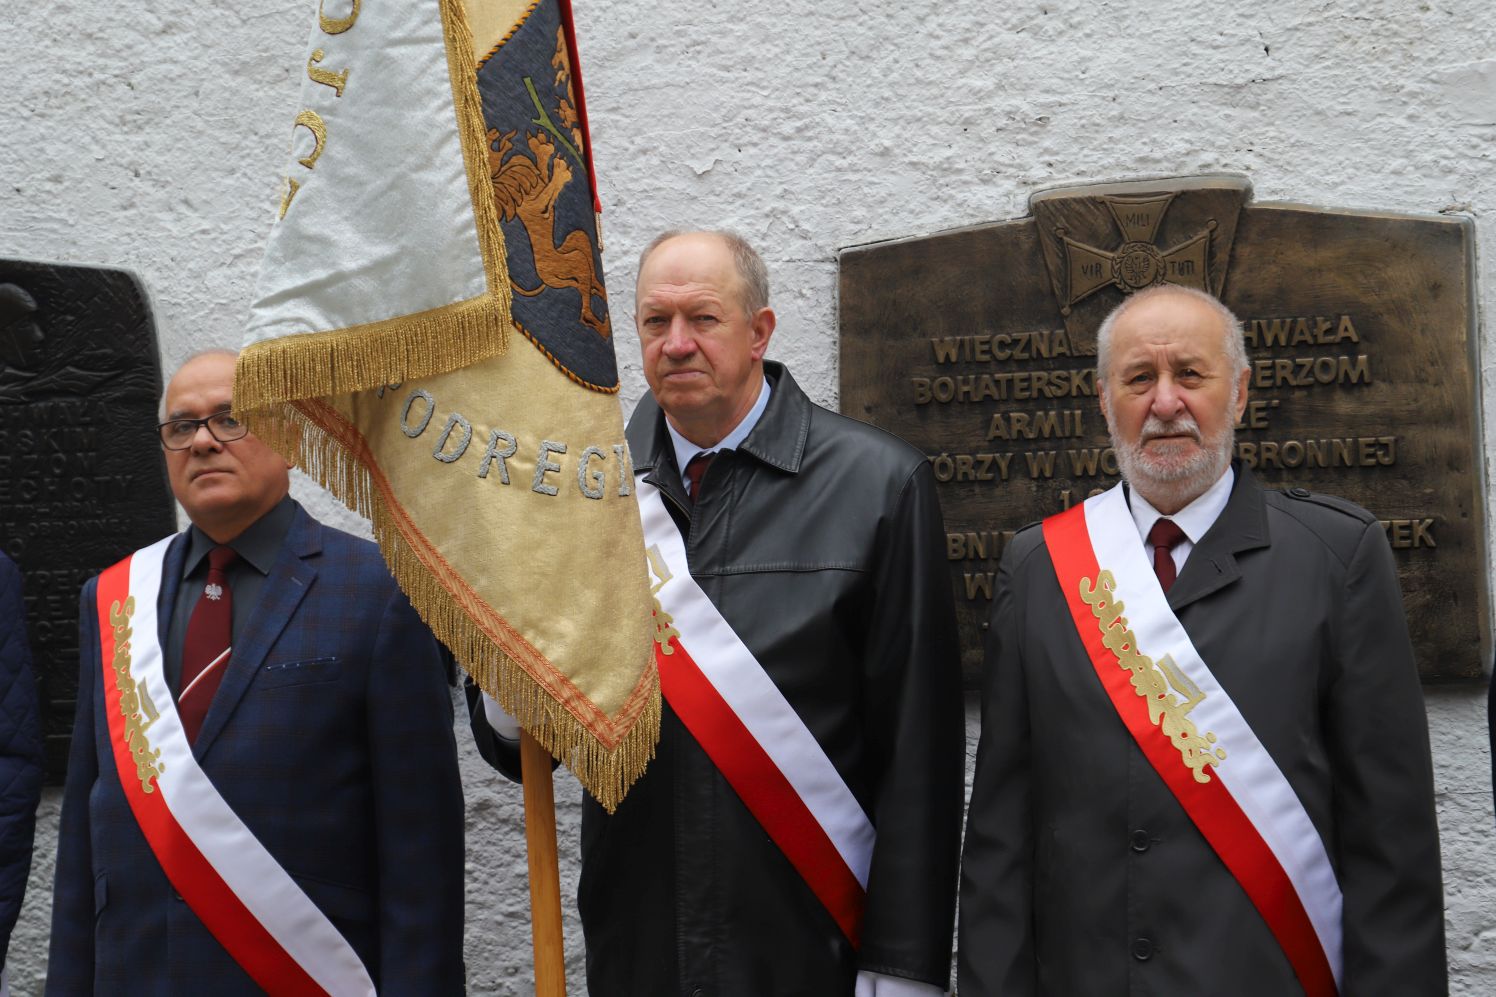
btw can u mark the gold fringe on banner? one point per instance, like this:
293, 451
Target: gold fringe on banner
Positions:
329, 364
308, 433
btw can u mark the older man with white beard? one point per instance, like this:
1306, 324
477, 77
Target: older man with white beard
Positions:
1204, 763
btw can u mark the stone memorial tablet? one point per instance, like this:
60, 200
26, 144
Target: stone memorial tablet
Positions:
978, 346
82, 479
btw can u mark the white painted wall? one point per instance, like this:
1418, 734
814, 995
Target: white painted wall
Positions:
151, 136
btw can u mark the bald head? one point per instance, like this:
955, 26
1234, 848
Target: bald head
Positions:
702, 340
753, 276
1229, 324
225, 485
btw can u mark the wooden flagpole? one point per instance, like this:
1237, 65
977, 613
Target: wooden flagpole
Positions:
545, 875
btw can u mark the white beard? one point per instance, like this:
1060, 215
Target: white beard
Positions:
1165, 477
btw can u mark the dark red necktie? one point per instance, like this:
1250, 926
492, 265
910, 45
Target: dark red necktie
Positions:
205, 652
1163, 538
695, 470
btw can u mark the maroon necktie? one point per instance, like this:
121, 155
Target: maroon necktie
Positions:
695, 470
1163, 538
205, 652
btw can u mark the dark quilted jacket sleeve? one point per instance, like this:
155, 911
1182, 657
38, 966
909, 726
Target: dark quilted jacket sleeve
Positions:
20, 750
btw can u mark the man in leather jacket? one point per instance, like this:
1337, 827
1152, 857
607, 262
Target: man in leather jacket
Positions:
819, 540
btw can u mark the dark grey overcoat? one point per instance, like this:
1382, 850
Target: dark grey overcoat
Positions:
1082, 875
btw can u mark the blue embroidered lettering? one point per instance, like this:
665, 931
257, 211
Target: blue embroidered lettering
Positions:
594, 490
501, 455
405, 425
542, 465
440, 452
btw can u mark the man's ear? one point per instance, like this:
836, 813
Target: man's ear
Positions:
761, 326
1241, 393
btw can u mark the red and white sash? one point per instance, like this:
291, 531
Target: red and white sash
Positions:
1194, 736
752, 734
242, 895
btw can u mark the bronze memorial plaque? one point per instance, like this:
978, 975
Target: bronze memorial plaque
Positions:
82, 478
978, 346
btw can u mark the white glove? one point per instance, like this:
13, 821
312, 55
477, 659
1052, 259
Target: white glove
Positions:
878, 985
502, 723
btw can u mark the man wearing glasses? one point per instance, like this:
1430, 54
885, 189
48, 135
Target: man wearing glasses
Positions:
263, 792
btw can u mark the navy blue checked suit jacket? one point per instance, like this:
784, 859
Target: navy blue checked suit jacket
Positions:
20, 750
331, 738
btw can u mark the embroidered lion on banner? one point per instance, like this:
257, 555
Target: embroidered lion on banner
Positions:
527, 187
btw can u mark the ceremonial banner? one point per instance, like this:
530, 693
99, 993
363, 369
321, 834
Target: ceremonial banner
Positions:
441, 206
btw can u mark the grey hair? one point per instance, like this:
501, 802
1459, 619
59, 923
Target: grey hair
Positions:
212, 351
745, 259
1236, 349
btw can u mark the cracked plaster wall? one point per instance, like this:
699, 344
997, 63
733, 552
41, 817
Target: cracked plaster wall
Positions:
151, 136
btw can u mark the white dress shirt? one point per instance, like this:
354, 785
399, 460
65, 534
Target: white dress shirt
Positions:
685, 449
1194, 519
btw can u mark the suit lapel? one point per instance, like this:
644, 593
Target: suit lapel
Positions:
285, 587
1213, 564
171, 582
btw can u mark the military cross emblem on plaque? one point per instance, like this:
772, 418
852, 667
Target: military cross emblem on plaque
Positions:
1105, 242
1138, 262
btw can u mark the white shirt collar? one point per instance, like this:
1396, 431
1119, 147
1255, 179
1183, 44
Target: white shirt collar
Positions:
1195, 519
685, 449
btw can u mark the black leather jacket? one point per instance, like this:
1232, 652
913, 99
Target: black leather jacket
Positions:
820, 540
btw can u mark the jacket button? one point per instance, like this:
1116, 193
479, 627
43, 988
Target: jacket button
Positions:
1140, 840
1299, 493
1142, 949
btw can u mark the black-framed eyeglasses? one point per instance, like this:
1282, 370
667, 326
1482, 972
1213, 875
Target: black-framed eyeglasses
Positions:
177, 434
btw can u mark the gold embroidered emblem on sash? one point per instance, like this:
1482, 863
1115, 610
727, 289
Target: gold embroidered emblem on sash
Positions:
135, 703
664, 622
1153, 681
